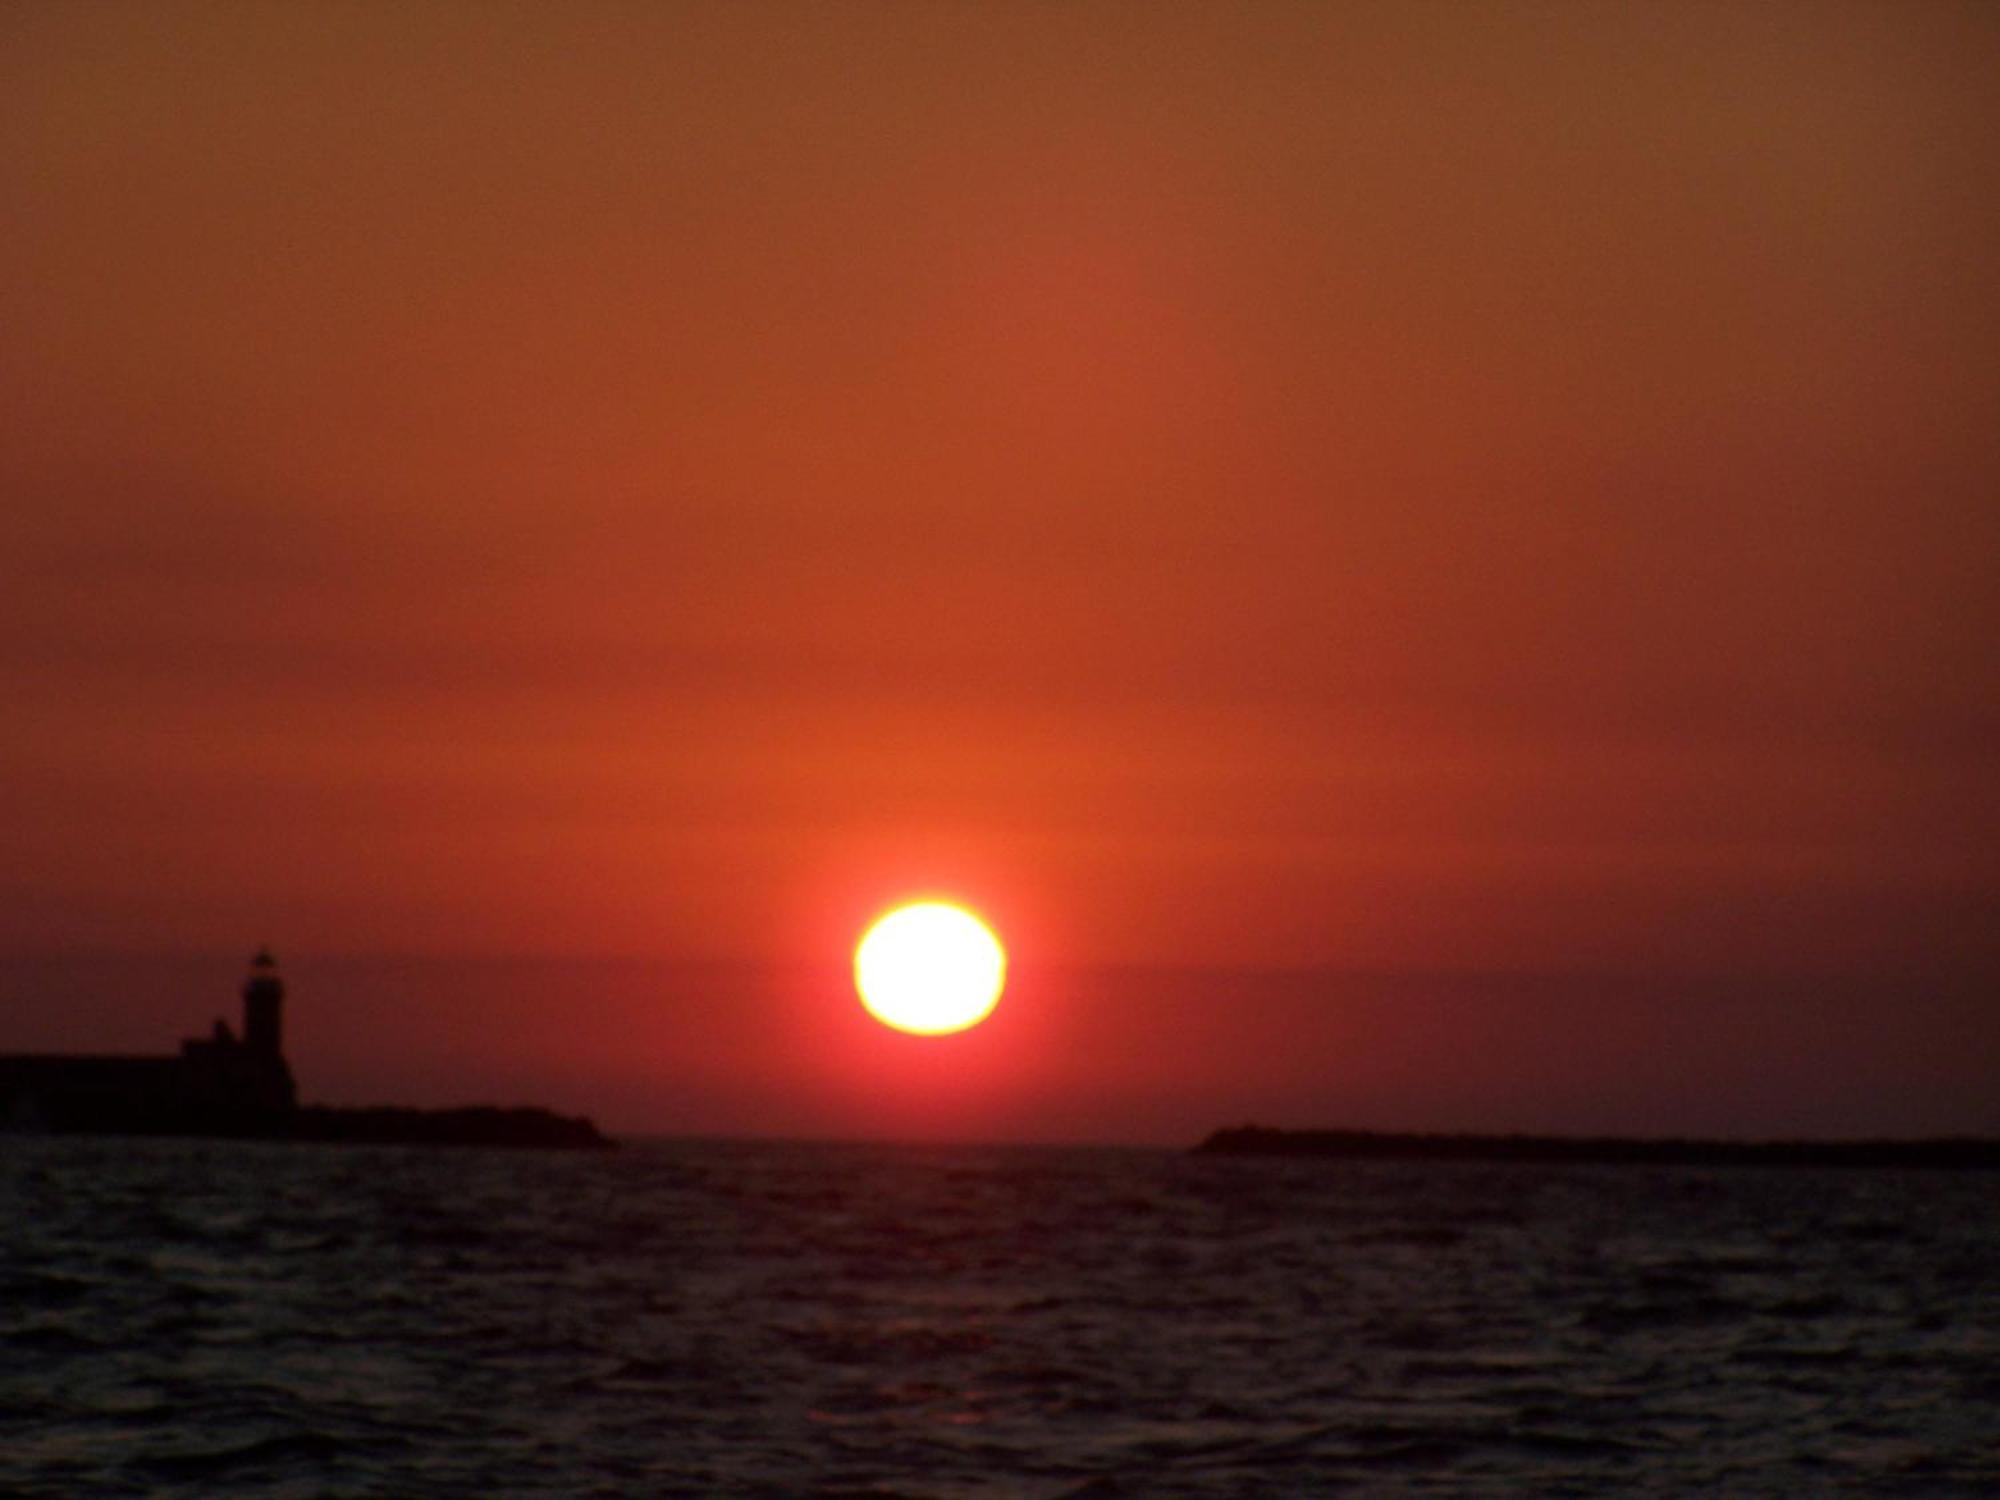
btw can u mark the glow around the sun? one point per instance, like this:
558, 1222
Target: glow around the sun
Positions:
930, 968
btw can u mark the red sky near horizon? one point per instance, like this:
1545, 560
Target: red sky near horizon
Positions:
1491, 490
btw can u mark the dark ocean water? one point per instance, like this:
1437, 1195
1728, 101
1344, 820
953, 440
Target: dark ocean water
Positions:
772, 1319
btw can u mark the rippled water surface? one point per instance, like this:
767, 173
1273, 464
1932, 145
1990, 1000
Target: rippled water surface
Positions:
767, 1319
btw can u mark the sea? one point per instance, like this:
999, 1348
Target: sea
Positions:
745, 1318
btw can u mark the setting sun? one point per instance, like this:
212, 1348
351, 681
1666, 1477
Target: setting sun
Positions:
930, 968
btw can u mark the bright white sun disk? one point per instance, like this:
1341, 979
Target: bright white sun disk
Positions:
930, 968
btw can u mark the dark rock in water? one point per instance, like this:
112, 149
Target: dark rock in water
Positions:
478, 1126
1369, 1145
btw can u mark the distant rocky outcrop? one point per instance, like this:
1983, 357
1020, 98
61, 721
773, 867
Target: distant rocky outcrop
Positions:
1369, 1145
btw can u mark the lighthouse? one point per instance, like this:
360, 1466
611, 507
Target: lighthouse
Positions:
263, 1007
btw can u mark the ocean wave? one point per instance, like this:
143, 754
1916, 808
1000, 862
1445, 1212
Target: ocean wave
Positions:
785, 1320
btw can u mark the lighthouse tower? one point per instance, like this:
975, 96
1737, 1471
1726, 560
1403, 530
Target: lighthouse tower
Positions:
263, 1007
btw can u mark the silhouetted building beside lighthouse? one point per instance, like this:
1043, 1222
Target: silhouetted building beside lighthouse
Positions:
220, 1084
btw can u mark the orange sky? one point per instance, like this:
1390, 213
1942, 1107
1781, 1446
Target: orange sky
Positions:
1490, 488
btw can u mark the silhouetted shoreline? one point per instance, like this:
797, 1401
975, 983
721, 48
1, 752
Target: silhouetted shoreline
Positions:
239, 1086
1370, 1145
476, 1126
383, 1125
